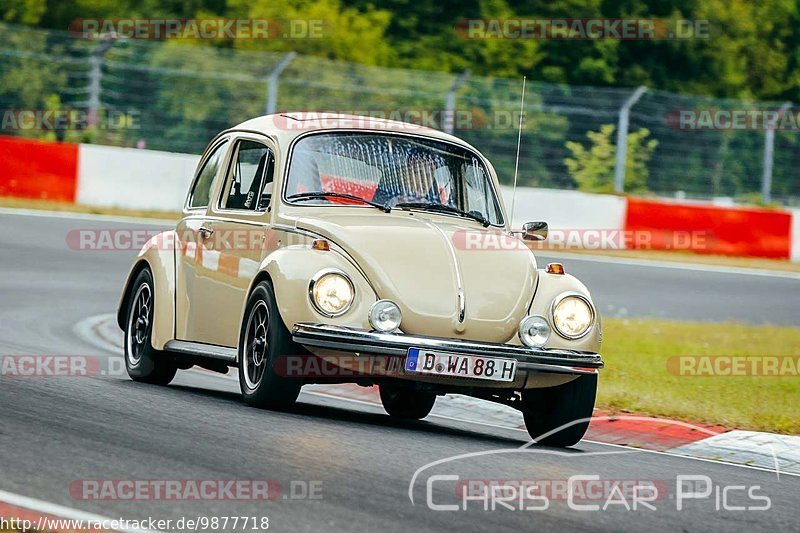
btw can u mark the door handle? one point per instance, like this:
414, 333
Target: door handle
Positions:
205, 232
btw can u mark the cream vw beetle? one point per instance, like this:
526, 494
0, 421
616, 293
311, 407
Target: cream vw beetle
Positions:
378, 250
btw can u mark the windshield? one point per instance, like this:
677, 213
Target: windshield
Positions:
390, 171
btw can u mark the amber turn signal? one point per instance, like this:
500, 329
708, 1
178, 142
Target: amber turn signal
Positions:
321, 245
555, 268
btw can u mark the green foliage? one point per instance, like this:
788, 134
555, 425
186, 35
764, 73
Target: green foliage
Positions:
346, 33
29, 80
593, 168
23, 11
752, 49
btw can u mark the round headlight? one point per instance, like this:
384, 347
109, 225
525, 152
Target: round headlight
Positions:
573, 316
534, 331
331, 292
385, 316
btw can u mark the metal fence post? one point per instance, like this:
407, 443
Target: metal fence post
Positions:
769, 150
448, 120
95, 78
272, 82
622, 139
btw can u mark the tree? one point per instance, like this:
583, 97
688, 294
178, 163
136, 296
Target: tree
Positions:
593, 168
346, 33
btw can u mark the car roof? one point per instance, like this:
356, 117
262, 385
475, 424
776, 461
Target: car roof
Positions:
285, 127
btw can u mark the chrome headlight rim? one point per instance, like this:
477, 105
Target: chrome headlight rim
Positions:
571, 294
315, 279
372, 309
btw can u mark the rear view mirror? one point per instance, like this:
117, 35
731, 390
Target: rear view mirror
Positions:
534, 231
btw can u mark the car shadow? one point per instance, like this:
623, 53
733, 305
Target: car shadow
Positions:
305, 409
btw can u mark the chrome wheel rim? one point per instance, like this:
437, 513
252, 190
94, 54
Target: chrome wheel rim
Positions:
256, 345
139, 320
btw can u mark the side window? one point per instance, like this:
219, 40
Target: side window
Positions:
202, 187
251, 173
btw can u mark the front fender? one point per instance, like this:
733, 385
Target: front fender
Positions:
159, 255
291, 269
549, 287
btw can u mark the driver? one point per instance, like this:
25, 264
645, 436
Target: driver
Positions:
414, 181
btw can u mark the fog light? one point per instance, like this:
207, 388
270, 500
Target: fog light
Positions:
385, 316
534, 331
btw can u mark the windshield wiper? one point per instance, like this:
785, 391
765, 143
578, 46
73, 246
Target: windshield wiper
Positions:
474, 215
321, 194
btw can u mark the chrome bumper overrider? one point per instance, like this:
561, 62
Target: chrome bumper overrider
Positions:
345, 339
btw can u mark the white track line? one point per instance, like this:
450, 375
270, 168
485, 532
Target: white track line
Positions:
86, 330
41, 213
59, 511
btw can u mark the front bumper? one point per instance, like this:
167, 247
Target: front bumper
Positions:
351, 340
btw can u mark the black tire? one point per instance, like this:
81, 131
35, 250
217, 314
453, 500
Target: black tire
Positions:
405, 402
142, 361
549, 408
259, 348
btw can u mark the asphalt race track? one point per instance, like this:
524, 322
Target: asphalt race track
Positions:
55, 431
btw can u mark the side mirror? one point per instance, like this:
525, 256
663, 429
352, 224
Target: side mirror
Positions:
534, 231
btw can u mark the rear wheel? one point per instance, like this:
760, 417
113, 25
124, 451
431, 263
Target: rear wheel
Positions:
405, 402
549, 409
142, 361
264, 338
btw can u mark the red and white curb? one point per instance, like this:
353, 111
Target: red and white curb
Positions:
130, 178
765, 450
768, 451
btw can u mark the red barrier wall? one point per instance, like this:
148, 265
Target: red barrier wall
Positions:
38, 169
747, 232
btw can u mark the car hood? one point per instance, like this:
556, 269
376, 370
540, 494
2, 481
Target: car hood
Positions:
433, 266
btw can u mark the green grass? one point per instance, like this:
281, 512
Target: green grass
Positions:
636, 378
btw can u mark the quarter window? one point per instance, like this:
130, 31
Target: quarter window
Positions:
202, 187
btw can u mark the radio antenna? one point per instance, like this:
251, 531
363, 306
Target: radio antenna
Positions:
516, 162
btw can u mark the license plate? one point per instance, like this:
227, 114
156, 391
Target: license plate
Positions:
421, 361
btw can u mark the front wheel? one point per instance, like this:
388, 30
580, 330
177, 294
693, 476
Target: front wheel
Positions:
142, 361
558, 409
406, 403
262, 340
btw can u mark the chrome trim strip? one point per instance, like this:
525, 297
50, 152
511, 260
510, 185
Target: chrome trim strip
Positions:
461, 298
292, 229
200, 349
346, 339
559, 369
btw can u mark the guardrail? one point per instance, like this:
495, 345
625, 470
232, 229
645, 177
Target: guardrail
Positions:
130, 178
